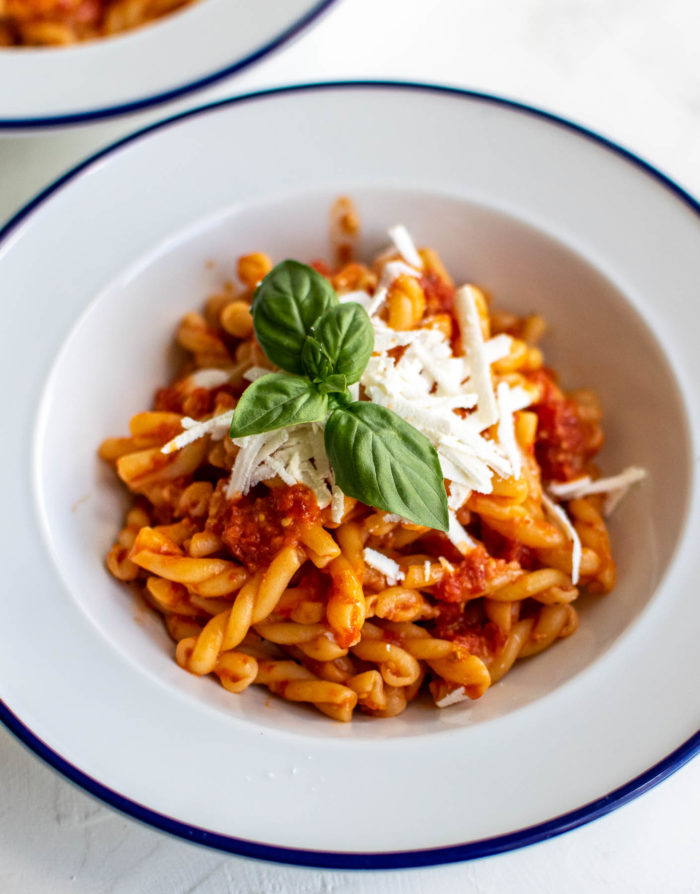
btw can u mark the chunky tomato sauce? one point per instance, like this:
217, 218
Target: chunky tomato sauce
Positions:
200, 401
509, 550
563, 444
470, 577
197, 403
438, 544
439, 295
480, 639
256, 528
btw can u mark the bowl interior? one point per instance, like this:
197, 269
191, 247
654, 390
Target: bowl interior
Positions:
120, 350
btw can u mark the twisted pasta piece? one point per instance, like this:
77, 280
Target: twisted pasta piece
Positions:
450, 660
396, 665
253, 267
533, 635
157, 553
344, 230
297, 684
406, 303
592, 530
346, 604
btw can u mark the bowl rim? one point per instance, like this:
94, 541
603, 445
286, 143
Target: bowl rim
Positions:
316, 10
357, 860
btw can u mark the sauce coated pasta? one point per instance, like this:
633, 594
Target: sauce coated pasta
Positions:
64, 22
266, 573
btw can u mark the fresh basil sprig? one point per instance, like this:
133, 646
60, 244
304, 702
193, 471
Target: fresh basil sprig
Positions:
376, 456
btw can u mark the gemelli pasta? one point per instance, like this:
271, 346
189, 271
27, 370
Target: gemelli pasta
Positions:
272, 564
64, 22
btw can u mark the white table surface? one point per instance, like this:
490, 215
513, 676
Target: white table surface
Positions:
629, 69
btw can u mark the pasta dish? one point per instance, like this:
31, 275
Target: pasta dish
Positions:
363, 484
63, 22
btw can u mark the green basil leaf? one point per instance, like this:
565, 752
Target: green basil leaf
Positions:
277, 400
335, 384
346, 333
315, 360
287, 303
383, 461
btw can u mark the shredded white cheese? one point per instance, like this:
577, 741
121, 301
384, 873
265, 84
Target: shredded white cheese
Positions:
255, 373
506, 428
613, 500
337, 504
252, 462
217, 427
563, 522
391, 271
458, 536
405, 246
384, 565
498, 347
208, 378
470, 326
616, 487
358, 297
446, 564
452, 698
458, 495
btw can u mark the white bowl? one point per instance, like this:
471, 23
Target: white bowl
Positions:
550, 219
166, 59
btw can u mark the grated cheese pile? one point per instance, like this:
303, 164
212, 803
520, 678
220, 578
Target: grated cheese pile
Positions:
424, 386
428, 383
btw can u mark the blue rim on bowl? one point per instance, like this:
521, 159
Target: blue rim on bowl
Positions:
394, 859
147, 102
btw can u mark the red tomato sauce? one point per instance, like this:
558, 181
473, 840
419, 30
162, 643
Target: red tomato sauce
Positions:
256, 528
562, 444
482, 640
439, 296
196, 403
168, 400
438, 544
510, 550
470, 577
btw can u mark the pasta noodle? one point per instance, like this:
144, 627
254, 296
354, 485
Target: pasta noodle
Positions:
318, 597
65, 22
